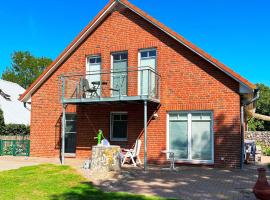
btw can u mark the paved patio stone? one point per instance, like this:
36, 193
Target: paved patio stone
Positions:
188, 183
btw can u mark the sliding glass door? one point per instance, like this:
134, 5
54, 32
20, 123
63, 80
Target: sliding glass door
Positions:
190, 136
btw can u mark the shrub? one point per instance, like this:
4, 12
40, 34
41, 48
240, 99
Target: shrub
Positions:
266, 151
12, 129
265, 148
15, 129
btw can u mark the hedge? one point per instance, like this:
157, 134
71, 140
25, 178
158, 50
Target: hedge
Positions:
12, 129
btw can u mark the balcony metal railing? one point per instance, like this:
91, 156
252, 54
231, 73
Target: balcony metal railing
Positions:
98, 86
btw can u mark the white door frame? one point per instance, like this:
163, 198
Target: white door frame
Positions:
189, 113
111, 76
90, 73
139, 66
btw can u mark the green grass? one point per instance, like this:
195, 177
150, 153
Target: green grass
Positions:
53, 182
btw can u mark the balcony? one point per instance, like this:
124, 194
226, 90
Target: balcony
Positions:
134, 84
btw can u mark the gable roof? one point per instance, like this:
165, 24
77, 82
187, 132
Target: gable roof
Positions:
100, 16
14, 111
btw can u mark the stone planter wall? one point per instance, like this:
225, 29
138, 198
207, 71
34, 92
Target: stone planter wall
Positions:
262, 137
105, 159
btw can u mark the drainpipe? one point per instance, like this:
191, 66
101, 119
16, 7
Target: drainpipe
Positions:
243, 105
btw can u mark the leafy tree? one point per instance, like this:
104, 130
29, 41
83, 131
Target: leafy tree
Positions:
2, 122
263, 107
25, 68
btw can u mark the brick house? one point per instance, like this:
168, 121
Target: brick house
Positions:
126, 73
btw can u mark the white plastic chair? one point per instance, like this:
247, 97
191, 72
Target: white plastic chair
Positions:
133, 153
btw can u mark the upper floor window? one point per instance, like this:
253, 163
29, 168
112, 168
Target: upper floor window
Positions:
94, 59
148, 54
93, 64
123, 56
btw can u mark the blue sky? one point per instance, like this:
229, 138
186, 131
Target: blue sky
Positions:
237, 32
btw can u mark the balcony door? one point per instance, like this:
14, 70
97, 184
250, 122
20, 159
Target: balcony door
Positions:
147, 69
119, 74
93, 68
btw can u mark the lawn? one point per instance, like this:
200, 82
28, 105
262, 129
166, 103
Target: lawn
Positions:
54, 182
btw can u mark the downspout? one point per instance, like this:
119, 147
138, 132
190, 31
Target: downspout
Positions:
243, 105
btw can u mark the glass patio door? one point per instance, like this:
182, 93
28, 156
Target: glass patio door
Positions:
190, 136
119, 74
178, 135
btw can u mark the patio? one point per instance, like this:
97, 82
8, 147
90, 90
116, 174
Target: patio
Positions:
190, 183
187, 182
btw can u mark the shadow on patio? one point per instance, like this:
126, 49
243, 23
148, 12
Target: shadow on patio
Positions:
86, 191
186, 183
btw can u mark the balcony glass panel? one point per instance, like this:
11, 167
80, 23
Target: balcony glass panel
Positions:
117, 84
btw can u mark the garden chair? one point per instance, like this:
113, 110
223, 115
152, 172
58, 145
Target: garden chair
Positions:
132, 154
92, 91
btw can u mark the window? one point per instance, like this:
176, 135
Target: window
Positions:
120, 56
119, 126
148, 53
93, 64
94, 60
190, 136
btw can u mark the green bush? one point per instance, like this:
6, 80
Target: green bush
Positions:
265, 148
266, 151
12, 129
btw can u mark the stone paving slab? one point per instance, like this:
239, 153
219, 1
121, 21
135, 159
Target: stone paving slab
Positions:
187, 183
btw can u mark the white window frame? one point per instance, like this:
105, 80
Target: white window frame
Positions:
111, 127
118, 52
189, 115
139, 66
87, 66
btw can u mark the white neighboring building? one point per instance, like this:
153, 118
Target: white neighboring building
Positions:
14, 111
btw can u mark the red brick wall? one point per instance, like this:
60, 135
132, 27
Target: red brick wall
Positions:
187, 83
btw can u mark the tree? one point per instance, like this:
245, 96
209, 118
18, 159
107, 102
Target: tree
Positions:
262, 107
25, 68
